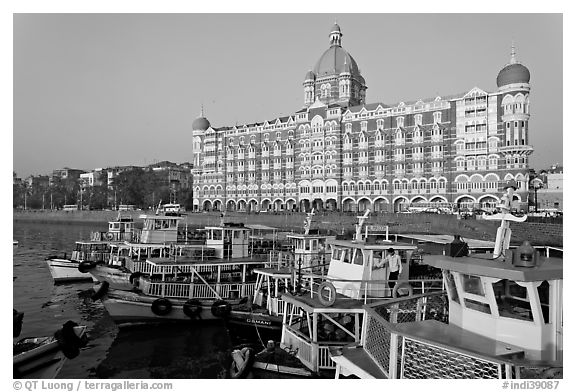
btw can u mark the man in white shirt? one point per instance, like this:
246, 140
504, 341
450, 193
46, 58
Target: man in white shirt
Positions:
395, 267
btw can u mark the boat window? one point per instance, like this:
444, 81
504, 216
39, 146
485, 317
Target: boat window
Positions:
346, 255
157, 225
512, 300
544, 295
477, 305
472, 284
358, 257
173, 223
217, 235
336, 253
451, 286
307, 245
314, 244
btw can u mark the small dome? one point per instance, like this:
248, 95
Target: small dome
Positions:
200, 124
336, 28
513, 73
310, 76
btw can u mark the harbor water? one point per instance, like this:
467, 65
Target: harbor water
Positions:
169, 351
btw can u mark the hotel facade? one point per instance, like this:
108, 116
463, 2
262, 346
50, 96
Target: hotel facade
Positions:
340, 153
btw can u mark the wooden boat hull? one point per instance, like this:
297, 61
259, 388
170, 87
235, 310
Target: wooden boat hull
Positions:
132, 307
63, 270
43, 361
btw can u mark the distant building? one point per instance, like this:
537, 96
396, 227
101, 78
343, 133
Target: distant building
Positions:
67, 173
550, 188
96, 177
340, 153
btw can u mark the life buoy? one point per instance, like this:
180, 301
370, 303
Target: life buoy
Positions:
403, 286
242, 361
109, 236
192, 308
86, 266
161, 307
102, 289
221, 308
68, 341
135, 278
327, 298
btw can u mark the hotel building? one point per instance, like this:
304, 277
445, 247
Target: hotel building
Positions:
340, 153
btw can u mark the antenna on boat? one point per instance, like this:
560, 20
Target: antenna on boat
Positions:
308, 222
361, 220
158, 208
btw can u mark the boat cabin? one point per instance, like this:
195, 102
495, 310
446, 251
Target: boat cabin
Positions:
521, 306
311, 251
354, 263
119, 230
160, 228
229, 240
122, 229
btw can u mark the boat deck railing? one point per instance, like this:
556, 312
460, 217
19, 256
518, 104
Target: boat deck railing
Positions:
311, 283
399, 355
198, 290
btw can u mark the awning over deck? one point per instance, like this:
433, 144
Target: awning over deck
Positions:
548, 268
447, 239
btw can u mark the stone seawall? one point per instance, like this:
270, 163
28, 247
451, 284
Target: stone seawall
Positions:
537, 233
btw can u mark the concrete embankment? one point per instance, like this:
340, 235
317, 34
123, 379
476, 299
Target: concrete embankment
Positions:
537, 233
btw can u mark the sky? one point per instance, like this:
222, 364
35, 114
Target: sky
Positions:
99, 90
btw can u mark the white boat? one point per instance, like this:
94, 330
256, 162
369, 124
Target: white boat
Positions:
68, 269
85, 253
43, 357
205, 283
328, 312
501, 317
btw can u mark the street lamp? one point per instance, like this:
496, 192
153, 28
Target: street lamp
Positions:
536, 187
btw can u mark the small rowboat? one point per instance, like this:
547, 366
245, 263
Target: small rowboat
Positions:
43, 357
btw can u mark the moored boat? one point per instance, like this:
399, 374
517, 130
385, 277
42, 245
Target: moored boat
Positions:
43, 357
327, 312
500, 317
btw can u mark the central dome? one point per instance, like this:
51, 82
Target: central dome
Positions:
335, 60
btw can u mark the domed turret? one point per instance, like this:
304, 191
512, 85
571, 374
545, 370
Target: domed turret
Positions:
309, 76
513, 72
201, 123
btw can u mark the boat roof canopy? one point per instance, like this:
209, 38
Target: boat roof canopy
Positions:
447, 239
383, 245
548, 268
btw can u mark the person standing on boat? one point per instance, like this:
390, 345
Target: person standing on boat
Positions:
394, 265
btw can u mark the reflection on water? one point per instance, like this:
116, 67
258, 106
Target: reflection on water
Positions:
174, 351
